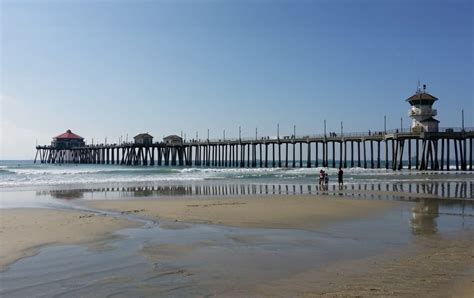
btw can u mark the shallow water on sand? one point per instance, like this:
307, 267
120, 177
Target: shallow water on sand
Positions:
58, 198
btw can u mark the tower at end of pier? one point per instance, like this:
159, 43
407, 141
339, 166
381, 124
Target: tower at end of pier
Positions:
422, 112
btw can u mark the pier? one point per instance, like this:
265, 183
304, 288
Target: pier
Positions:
447, 149
423, 146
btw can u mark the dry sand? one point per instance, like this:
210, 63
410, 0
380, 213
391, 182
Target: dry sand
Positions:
22, 231
291, 212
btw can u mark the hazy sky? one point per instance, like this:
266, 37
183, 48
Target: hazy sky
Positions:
111, 68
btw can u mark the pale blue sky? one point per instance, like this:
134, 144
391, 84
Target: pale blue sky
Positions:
108, 68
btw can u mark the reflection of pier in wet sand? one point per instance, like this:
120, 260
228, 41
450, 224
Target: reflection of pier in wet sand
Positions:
396, 191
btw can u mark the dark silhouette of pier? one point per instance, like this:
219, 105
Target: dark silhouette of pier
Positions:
394, 150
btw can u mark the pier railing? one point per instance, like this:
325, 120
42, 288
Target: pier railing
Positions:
290, 138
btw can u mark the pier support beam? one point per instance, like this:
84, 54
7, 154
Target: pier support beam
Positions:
352, 154
456, 154
266, 155
249, 155
442, 155
273, 154
340, 154
316, 163
470, 155
308, 159
365, 155
417, 162
279, 154
358, 154
334, 154
345, 154
294, 154
301, 154
409, 154
447, 155
372, 154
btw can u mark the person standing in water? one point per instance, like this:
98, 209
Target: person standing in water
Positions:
339, 177
321, 177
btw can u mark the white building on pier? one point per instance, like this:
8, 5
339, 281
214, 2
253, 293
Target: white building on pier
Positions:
422, 112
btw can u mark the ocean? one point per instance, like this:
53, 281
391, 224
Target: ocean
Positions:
72, 179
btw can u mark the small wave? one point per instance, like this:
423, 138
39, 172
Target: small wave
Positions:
4, 171
228, 170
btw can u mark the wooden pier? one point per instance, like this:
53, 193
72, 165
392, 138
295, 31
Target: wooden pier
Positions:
391, 150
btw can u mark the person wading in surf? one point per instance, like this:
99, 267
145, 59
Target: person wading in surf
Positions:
339, 177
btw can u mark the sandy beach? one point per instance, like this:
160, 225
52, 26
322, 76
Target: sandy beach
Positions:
23, 231
431, 266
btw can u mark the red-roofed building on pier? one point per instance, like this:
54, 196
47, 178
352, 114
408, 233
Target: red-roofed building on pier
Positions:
67, 140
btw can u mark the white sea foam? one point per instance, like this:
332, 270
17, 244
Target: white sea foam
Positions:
93, 180
64, 170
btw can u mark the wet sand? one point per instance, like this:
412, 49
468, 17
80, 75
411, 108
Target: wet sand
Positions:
23, 231
433, 266
283, 212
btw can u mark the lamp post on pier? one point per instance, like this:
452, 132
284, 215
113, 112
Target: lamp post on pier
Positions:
278, 131
223, 134
256, 133
324, 127
342, 129
385, 124
240, 133
294, 131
